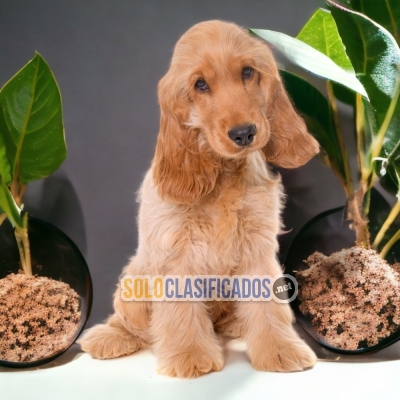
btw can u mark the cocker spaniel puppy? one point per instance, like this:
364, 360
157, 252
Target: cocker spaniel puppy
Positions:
210, 205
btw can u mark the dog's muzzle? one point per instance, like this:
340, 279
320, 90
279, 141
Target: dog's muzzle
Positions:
243, 135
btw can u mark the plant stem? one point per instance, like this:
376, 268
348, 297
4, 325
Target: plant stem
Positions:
359, 222
17, 191
348, 187
389, 220
21, 235
367, 202
389, 244
365, 160
360, 137
355, 198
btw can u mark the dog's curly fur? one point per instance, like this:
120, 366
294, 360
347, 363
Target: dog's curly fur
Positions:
210, 206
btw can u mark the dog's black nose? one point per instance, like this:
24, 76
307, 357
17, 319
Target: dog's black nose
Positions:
243, 135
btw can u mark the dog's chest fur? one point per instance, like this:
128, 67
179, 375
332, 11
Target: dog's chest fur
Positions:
212, 236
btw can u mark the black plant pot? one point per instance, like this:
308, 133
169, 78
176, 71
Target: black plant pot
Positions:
55, 256
327, 233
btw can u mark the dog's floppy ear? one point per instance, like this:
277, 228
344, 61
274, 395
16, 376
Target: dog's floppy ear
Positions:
182, 171
290, 145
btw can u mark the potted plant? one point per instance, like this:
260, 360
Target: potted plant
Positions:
40, 317
350, 300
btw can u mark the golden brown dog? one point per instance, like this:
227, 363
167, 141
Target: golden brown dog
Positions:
210, 205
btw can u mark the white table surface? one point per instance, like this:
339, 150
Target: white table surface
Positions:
75, 375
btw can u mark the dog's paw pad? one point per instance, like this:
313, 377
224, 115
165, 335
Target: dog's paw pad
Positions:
190, 365
285, 357
104, 341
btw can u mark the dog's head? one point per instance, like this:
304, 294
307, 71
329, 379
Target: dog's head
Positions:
221, 99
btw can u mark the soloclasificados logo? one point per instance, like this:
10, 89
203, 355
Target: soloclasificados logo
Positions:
282, 289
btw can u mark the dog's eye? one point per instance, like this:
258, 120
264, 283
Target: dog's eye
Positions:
247, 72
202, 85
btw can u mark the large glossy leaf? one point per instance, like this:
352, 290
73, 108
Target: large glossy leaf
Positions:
374, 54
389, 169
384, 12
5, 168
5, 172
310, 59
321, 33
8, 205
317, 114
375, 57
31, 122
344, 94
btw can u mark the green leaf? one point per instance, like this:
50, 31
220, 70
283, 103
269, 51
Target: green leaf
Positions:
321, 33
5, 175
310, 59
385, 12
8, 205
390, 151
5, 167
375, 57
317, 113
31, 122
373, 52
344, 94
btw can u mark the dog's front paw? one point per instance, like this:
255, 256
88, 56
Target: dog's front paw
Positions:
104, 341
190, 364
283, 356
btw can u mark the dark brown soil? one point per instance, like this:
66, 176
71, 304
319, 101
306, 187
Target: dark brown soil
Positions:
352, 297
38, 317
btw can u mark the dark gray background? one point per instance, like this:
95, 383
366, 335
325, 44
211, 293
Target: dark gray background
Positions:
107, 57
